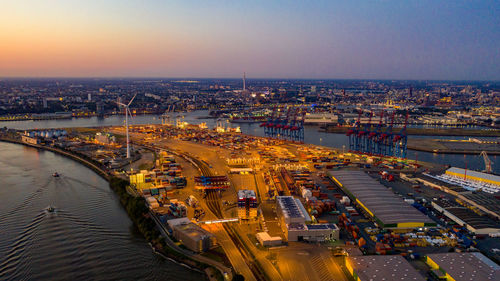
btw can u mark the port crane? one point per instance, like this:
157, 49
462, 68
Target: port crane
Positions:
487, 162
400, 141
165, 117
365, 140
353, 134
386, 139
374, 136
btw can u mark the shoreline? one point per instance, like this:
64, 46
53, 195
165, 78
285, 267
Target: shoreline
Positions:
101, 172
427, 131
106, 176
447, 151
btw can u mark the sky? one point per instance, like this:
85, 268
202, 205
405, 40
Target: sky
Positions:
351, 39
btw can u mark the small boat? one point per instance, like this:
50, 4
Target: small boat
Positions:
50, 209
55, 175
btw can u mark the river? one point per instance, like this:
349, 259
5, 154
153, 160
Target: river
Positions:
88, 237
312, 135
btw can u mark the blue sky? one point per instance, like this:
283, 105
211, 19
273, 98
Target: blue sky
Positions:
457, 40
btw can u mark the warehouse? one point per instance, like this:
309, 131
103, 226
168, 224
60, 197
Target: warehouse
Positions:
293, 217
470, 175
191, 235
463, 266
485, 200
365, 268
266, 240
466, 217
388, 210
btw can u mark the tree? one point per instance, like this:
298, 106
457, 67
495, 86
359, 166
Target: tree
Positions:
238, 277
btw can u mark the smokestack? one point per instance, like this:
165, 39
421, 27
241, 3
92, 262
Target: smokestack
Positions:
244, 81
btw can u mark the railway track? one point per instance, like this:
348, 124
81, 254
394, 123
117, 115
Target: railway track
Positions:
214, 204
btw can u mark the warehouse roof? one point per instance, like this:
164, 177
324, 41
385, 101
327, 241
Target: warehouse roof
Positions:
483, 176
378, 200
466, 215
484, 199
292, 208
467, 266
188, 228
384, 268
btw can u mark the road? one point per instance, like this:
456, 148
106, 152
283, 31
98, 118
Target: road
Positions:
308, 262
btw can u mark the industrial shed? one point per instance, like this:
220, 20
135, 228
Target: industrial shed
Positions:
463, 266
474, 175
466, 217
365, 268
389, 210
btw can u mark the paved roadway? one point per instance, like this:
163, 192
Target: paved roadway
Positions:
303, 262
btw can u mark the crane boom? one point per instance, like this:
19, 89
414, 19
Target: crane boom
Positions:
487, 162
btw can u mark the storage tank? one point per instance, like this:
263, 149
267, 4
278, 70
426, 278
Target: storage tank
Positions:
306, 193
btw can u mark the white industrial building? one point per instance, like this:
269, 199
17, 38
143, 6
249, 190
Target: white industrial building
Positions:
293, 218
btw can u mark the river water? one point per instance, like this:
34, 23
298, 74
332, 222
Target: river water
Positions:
474, 162
88, 237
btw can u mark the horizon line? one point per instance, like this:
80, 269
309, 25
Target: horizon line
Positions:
235, 78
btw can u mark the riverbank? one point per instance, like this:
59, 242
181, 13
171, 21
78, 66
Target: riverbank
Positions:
136, 209
451, 146
426, 131
94, 166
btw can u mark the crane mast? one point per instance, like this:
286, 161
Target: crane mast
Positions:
487, 162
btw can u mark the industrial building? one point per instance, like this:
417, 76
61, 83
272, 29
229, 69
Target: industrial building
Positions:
30, 140
463, 266
191, 235
488, 180
293, 217
105, 138
466, 217
247, 204
380, 203
266, 240
365, 268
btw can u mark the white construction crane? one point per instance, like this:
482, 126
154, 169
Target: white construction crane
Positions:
487, 162
127, 113
165, 117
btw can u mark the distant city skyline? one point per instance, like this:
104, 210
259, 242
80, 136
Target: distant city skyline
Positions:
401, 40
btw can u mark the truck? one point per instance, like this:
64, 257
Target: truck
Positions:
192, 201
